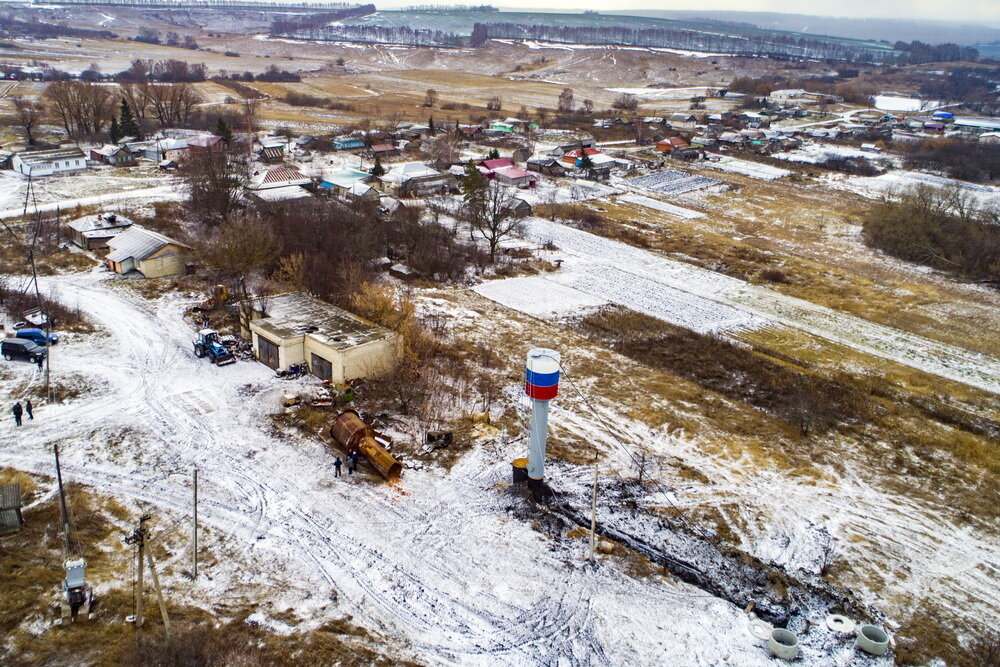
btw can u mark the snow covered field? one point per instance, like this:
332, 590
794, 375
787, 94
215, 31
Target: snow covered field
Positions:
895, 182
900, 103
662, 206
814, 153
436, 562
671, 182
764, 172
94, 186
707, 301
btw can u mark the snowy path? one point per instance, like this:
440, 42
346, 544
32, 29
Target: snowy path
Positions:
707, 301
435, 562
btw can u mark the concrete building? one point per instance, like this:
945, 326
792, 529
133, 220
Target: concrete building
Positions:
46, 163
147, 252
337, 345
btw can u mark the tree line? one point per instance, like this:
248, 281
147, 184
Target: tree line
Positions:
377, 34
292, 23
769, 45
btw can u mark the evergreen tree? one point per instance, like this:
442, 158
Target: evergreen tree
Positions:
430, 125
127, 124
114, 131
493, 155
586, 164
473, 188
223, 130
378, 171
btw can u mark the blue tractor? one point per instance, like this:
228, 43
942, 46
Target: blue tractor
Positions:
209, 345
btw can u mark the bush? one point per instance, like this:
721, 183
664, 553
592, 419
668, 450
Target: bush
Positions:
304, 100
939, 228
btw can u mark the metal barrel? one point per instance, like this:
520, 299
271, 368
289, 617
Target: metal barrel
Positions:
351, 431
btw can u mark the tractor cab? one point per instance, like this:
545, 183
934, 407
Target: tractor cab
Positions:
209, 345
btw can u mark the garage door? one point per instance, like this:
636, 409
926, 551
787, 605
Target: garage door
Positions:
321, 368
267, 352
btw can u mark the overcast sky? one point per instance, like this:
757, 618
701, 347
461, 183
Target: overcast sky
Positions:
976, 11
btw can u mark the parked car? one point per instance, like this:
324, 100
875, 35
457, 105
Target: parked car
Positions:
22, 348
37, 335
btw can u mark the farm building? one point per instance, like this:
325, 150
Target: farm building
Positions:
147, 252
94, 231
383, 151
670, 144
46, 163
343, 182
335, 344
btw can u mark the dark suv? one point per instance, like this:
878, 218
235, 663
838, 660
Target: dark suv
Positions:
21, 348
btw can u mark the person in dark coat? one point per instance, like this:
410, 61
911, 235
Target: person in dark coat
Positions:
336, 467
354, 460
17, 413
40, 361
27, 408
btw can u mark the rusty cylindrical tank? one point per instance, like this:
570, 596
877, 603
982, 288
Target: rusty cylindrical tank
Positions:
351, 431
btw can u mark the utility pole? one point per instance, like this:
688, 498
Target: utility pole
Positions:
62, 501
159, 593
138, 538
194, 529
593, 515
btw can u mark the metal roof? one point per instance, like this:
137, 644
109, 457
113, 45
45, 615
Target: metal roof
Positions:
138, 243
42, 157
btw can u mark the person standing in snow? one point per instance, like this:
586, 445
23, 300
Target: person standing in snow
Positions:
39, 361
354, 460
27, 408
336, 467
17, 413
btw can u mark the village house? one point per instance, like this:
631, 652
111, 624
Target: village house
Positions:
279, 184
336, 345
93, 232
348, 184
671, 144
117, 156
147, 252
383, 151
514, 176
601, 164
413, 179
546, 165
48, 162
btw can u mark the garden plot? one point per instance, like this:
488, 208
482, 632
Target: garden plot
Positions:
539, 296
815, 153
704, 300
672, 183
764, 172
662, 206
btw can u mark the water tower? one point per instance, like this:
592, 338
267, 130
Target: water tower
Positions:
541, 384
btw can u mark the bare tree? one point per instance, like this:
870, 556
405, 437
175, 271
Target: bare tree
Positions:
137, 95
494, 103
588, 106
491, 217
82, 108
29, 114
566, 100
240, 250
251, 111
216, 179
626, 102
173, 104
444, 149
431, 97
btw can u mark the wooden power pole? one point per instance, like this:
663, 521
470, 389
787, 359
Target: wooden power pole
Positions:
593, 516
194, 529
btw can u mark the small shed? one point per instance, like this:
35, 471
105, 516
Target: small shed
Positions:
150, 253
93, 232
519, 208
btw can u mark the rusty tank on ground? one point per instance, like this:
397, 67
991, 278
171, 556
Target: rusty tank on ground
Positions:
351, 431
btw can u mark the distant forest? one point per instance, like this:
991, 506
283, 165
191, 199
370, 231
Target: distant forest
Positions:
772, 45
